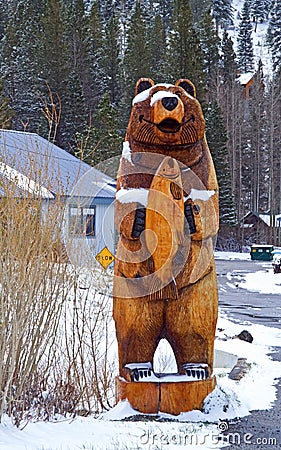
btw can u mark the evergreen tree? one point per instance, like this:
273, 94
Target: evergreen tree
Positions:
166, 11
228, 62
137, 55
274, 34
179, 49
107, 9
185, 57
20, 66
259, 10
8, 46
158, 49
217, 139
56, 68
258, 164
245, 40
75, 117
4, 18
210, 45
96, 45
198, 9
273, 113
6, 113
108, 142
268, 5
78, 33
222, 13
111, 60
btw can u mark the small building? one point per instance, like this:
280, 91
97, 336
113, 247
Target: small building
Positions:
261, 227
37, 167
246, 80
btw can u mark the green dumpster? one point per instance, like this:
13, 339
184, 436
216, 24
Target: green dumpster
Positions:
262, 252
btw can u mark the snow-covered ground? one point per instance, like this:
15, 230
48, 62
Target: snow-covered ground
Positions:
231, 256
263, 281
195, 429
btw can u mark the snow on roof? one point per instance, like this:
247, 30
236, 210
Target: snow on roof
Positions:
244, 78
35, 164
24, 183
266, 219
261, 245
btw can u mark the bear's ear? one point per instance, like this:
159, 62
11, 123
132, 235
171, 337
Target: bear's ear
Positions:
187, 86
143, 84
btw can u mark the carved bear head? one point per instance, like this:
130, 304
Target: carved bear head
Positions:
164, 114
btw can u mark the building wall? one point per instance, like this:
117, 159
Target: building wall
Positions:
82, 250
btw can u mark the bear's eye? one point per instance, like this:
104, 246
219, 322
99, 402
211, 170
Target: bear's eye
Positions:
178, 93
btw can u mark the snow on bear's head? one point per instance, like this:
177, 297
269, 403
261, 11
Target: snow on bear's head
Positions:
164, 114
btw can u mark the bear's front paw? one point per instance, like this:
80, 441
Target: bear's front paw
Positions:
190, 226
196, 371
139, 222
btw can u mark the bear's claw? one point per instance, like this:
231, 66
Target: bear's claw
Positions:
198, 371
139, 222
136, 374
139, 371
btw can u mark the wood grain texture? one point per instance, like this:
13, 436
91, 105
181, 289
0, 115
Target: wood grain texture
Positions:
165, 219
144, 397
165, 282
184, 397
170, 398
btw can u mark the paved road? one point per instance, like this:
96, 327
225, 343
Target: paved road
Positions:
264, 309
262, 429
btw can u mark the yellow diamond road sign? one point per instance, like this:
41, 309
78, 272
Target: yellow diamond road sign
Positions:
105, 257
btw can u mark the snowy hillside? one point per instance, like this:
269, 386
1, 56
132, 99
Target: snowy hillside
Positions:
261, 50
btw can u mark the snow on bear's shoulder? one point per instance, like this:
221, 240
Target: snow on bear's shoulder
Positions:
126, 153
133, 195
198, 194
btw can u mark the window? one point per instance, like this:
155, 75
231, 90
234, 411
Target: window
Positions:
82, 221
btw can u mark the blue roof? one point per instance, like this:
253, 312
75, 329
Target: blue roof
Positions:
50, 167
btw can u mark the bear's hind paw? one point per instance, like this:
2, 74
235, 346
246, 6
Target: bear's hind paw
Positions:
197, 371
139, 372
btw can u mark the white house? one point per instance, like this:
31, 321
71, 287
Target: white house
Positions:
34, 165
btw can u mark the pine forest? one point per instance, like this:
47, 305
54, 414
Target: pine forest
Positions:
68, 69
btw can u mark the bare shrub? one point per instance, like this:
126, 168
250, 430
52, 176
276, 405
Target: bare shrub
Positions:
33, 287
90, 340
55, 328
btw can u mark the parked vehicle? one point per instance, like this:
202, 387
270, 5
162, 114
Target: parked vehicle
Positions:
277, 266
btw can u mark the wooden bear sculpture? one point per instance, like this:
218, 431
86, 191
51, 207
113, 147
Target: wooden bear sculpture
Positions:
165, 284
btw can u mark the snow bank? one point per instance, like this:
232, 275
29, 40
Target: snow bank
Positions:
194, 429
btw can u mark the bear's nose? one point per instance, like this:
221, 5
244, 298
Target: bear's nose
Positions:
169, 103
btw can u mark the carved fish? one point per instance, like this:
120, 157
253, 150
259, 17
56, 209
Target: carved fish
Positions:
164, 226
